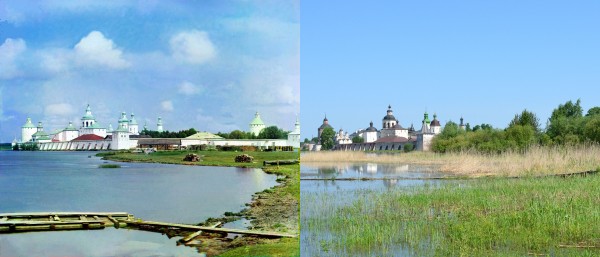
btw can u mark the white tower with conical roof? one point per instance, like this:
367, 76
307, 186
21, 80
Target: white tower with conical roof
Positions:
133, 125
256, 125
27, 131
294, 136
159, 125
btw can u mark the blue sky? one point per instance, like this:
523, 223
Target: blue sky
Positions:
203, 64
484, 60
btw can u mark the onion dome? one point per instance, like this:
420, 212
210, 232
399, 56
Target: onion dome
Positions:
435, 122
132, 121
371, 128
390, 115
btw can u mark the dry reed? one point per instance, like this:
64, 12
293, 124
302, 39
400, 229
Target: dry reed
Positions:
534, 161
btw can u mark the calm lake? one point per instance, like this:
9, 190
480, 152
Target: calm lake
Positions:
318, 196
72, 181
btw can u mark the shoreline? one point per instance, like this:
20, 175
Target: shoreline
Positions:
267, 209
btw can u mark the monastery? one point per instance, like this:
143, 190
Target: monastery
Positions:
391, 136
92, 136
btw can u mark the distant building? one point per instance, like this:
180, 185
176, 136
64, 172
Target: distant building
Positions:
392, 135
256, 125
159, 125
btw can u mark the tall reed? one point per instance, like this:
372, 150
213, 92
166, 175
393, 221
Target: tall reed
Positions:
536, 160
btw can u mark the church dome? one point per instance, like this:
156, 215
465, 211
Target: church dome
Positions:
88, 114
371, 128
257, 120
390, 115
435, 121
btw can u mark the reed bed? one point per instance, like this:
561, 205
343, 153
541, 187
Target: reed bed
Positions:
534, 161
486, 217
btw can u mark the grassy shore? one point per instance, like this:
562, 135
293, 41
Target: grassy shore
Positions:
275, 209
483, 217
208, 158
534, 161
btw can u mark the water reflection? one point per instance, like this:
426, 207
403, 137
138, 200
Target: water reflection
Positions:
106, 242
386, 175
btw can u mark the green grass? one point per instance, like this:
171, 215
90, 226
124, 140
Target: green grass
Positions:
209, 158
109, 166
483, 217
285, 248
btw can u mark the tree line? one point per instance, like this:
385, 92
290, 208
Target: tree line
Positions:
566, 126
271, 132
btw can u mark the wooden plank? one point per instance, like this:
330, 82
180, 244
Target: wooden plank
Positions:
45, 214
209, 229
192, 236
280, 162
197, 233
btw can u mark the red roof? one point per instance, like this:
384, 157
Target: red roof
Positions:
88, 137
392, 140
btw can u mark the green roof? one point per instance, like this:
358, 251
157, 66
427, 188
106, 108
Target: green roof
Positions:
70, 127
121, 129
96, 126
39, 134
28, 124
43, 138
132, 121
257, 120
88, 114
204, 135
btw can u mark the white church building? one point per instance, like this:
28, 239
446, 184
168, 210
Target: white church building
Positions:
391, 136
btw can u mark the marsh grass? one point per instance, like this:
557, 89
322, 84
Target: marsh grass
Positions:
534, 161
491, 216
109, 166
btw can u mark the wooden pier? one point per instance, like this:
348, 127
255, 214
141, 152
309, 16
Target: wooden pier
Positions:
207, 229
50, 221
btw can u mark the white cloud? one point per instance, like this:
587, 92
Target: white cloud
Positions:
192, 47
167, 105
9, 51
59, 109
95, 49
187, 88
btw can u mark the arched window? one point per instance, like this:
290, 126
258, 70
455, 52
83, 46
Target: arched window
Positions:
386, 147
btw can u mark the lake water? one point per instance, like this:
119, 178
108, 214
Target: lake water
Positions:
318, 196
72, 181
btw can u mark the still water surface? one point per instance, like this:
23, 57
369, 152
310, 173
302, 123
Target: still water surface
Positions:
72, 181
318, 196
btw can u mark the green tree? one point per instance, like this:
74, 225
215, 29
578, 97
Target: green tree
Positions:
327, 138
526, 118
408, 147
358, 140
450, 130
593, 112
565, 125
237, 134
272, 132
522, 135
568, 110
591, 129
